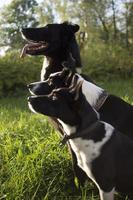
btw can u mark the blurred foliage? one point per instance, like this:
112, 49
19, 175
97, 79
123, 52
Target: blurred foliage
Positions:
101, 60
13, 17
16, 73
105, 37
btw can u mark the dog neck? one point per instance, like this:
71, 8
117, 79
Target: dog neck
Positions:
79, 133
69, 58
86, 115
94, 95
50, 65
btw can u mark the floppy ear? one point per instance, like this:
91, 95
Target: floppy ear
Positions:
74, 27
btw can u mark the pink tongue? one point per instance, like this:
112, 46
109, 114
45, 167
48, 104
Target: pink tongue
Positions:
23, 52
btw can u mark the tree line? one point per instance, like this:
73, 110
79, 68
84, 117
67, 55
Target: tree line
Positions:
106, 26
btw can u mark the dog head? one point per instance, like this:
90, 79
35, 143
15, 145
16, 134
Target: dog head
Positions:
66, 104
61, 99
64, 78
50, 39
54, 105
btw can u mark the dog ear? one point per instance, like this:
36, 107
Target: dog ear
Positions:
74, 27
71, 27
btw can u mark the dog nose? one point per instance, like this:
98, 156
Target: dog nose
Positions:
29, 86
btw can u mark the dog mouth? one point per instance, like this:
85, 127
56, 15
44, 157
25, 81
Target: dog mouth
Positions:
33, 48
34, 95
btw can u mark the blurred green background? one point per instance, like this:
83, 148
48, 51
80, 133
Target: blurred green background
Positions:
32, 165
105, 37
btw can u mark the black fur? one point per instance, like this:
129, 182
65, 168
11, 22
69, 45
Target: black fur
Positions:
61, 46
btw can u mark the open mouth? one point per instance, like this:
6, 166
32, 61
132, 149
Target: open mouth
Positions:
33, 48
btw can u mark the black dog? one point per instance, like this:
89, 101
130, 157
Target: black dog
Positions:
58, 43
102, 152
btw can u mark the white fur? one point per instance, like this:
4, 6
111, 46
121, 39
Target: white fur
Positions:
67, 128
87, 151
31, 108
107, 195
43, 71
91, 91
23, 36
90, 149
79, 70
35, 86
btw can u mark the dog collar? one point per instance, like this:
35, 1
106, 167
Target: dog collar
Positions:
101, 100
78, 134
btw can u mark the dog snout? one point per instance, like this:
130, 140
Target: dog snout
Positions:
33, 88
29, 86
22, 30
29, 99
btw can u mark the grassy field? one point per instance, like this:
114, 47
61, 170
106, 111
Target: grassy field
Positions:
32, 165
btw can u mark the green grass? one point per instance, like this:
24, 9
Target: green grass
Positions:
32, 165
120, 87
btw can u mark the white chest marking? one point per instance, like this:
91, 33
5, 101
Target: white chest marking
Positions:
43, 71
87, 150
91, 91
67, 128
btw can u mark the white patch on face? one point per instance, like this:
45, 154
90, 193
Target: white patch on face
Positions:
31, 108
90, 91
78, 70
67, 128
43, 71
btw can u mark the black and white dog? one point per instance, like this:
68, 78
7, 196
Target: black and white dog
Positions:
102, 152
58, 44
111, 108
